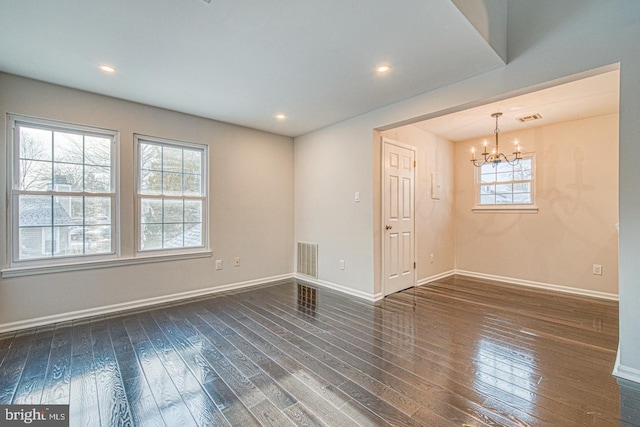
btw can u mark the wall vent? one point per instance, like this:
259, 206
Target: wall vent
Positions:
529, 118
308, 259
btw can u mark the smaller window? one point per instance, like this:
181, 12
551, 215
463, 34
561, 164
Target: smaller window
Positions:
172, 194
505, 184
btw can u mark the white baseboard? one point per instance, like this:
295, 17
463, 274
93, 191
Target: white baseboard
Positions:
435, 277
625, 372
339, 288
540, 285
96, 311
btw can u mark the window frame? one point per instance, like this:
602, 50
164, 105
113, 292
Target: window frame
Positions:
139, 139
14, 122
508, 207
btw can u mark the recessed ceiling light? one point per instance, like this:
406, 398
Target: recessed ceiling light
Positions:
107, 69
383, 69
281, 116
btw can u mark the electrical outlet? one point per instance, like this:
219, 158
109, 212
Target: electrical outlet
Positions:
218, 264
341, 264
357, 197
236, 262
597, 269
432, 258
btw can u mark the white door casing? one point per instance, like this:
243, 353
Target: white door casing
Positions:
398, 227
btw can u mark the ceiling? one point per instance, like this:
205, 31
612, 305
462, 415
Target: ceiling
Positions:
244, 62
589, 97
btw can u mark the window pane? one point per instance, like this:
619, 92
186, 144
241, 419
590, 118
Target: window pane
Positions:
502, 199
173, 236
504, 167
505, 176
193, 162
504, 188
97, 179
193, 211
522, 187
489, 168
97, 239
97, 151
61, 241
192, 185
172, 184
67, 147
172, 159
150, 182
97, 210
62, 208
151, 211
488, 200
522, 198
173, 211
35, 175
151, 157
487, 189
151, 236
488, 178
34, 210
35, 242
35, 144
524, 164
76, 240
192, 235
522, 175
68, 177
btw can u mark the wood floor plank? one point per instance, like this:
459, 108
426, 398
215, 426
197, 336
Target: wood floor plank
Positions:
57, 379
112, 401
172, 408
13, 365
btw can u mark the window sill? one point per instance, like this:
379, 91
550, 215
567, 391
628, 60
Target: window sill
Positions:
19, 271
520, 209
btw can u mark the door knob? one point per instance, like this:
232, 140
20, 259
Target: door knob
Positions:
388, 227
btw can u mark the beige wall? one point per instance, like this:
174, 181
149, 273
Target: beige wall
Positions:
577, 197
251, 205
434, 218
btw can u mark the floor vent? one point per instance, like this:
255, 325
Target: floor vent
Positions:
308, 259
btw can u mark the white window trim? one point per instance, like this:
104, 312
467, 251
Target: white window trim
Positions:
12, 261
177, 253
524, 208
95, 264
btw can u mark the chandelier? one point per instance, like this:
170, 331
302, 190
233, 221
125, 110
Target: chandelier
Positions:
495, 156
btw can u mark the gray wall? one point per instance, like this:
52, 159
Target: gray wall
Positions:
250, 204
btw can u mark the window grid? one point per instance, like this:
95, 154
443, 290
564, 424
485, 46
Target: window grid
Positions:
164, 224
46, 224
505, 184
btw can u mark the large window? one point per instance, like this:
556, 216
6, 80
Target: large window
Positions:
505, 184
172, 194
63, 190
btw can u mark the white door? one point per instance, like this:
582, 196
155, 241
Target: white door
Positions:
398, 217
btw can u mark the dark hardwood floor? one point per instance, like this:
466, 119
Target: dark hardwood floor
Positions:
458, 352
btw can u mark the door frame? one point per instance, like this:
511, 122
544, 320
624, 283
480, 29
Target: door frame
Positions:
383, 142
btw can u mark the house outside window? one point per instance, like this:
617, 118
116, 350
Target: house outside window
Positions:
62, 191
171, 195
506, 185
